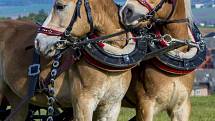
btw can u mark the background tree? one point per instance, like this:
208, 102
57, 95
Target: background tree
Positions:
35, 17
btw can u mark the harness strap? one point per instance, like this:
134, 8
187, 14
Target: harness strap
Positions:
162, 22
173, 2
33, 78
89, 14
159, 6
50, 32
33, 74
77, 14
69, 60
152, 11
146, 4
73, 19
163, 50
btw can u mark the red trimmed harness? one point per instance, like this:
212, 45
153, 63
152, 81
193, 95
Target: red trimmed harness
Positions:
164, 67
89, 59
50, 32
163, 42
149, 7
152, 11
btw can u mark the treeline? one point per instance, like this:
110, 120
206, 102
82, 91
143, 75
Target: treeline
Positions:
35, 17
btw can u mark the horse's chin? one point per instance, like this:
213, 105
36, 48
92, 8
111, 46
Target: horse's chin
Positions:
140, 25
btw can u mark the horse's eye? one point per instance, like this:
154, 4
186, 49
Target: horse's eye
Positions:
60, 6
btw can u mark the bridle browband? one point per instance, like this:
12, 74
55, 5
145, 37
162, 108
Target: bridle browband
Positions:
153, 11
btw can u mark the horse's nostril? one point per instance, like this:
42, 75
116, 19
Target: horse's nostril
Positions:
127, 12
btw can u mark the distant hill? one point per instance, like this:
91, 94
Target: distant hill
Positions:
23, 2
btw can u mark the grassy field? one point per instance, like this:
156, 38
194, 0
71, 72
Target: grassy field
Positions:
203, 109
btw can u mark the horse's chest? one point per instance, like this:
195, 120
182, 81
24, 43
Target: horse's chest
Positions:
116, 91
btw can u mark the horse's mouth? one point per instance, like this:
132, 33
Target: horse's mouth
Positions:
143, 24
139, 24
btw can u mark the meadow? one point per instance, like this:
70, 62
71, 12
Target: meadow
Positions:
203, 109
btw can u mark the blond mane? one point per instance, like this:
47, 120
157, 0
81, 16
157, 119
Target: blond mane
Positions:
188, 10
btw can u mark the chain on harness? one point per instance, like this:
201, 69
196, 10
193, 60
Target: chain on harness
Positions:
66, 39
51, 88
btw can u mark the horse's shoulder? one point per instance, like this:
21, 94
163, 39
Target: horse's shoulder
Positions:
11, 28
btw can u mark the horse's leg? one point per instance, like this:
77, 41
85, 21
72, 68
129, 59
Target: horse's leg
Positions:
182, 113
107, 112
83, 108
14, 100
146, 110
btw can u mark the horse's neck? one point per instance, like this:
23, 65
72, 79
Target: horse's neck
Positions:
178, 30
107, 21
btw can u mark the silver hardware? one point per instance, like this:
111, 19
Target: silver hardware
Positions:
34, 67
54, 72
56, 64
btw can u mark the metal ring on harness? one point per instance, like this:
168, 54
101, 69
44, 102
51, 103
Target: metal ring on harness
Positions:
97, 56
176, 65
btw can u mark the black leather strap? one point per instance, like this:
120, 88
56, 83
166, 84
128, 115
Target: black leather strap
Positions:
33, 77
77, 14
164, 22
158, 7
33, 74
73, 19
89, 14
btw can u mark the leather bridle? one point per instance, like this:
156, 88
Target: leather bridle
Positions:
70, 40
66, 35
152, 11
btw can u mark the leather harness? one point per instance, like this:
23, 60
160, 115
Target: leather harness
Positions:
177, 65
34, 69
153, 11
164, 61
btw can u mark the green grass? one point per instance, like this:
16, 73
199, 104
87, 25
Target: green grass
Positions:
203, 109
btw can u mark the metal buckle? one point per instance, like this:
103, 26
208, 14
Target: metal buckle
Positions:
34, 70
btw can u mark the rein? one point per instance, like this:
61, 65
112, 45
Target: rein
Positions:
74, 42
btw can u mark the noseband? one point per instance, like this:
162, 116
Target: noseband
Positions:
153, 11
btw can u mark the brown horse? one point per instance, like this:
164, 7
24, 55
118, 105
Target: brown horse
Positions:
158, 90
84, 87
